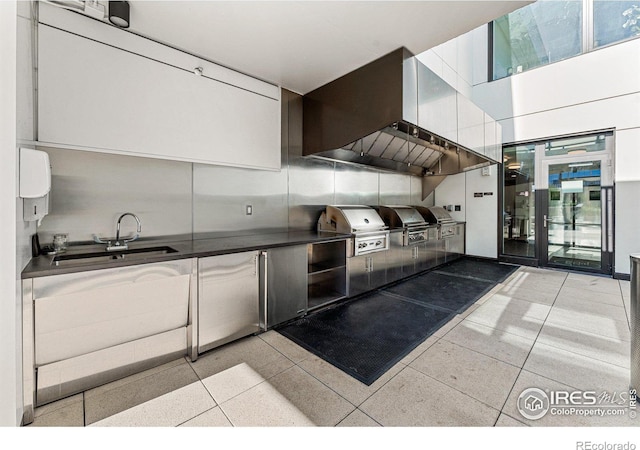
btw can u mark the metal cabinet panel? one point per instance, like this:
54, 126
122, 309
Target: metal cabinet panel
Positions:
70, 376
455, 244
87, 328
228, 298
410, 256
437, 110
286, 284
71, 325
441, 251
358, 270
377, 269
366, 272
396, 256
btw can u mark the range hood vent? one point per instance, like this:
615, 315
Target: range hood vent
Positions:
396, 114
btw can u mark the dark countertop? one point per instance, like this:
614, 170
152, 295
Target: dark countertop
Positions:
42, 266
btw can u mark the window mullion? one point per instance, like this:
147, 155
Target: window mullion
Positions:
587, 26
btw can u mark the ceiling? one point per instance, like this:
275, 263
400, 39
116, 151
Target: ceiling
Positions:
301, 45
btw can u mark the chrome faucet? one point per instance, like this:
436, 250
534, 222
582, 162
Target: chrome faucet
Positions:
124, 244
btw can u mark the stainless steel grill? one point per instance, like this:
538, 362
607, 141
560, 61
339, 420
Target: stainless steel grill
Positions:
415, 227
370, 234
440, 216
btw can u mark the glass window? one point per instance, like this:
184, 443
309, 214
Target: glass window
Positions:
518, 213
615, 21
575, 146
538, 34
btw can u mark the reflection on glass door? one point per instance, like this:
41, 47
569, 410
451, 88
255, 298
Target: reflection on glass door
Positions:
574, 216
518, 201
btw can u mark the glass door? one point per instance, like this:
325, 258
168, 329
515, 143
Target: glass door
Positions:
575, 215
557, 203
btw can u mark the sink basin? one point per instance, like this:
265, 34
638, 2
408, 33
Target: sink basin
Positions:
104, 257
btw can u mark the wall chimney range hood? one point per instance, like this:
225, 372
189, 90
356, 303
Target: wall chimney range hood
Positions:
396, 114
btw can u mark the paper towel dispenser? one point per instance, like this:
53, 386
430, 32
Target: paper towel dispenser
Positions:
35, 173
35, 183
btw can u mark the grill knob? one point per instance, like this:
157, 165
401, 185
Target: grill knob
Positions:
378, 243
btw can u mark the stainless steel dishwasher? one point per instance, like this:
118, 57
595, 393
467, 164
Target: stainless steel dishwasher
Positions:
228, 298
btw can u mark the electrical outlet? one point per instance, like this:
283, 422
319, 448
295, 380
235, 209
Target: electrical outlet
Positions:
248, 210
458, 208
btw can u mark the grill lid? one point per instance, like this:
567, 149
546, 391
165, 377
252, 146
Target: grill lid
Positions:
401, 216
350, 219
435, 214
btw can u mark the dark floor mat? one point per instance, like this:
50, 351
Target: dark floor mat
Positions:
481, 269
442, 290
366, 336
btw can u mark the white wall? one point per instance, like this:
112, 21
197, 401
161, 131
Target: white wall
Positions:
455, 62
451, 61
452, 192
10, 391
480, 213
594, 91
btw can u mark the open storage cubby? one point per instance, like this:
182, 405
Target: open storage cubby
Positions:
327, 272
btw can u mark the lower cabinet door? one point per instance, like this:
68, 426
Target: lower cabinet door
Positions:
228, 298
287, 291
430, 250
358, 269
377, 269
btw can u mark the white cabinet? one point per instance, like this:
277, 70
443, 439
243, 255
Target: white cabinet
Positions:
95, 96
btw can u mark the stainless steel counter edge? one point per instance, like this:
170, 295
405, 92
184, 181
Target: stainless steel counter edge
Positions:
42, 266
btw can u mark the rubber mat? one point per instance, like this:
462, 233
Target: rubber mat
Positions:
442, 290
478, 268
366, 336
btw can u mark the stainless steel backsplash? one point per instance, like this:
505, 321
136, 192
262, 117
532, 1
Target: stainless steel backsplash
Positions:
90, 190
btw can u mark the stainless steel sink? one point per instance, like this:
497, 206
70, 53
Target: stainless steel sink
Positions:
104, 257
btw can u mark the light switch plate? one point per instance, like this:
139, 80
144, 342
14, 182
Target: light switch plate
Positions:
248, 210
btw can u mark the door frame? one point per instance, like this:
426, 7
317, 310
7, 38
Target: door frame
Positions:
541, 199
606, 199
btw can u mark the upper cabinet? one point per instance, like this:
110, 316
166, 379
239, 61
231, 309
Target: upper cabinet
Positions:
131, 95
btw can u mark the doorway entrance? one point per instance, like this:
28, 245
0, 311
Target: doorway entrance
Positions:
558, 203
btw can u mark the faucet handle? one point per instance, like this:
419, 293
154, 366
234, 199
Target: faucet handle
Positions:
98, 240
131, 239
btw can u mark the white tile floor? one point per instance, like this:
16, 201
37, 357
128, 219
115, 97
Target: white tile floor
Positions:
540, 328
